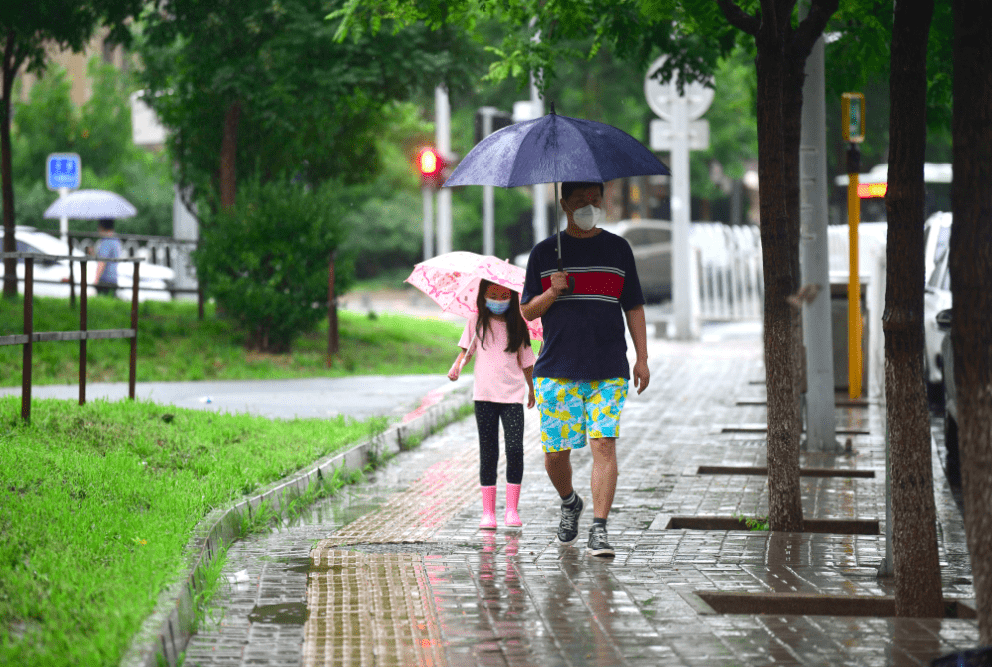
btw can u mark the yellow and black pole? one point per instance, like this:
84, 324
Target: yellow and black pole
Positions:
853, 129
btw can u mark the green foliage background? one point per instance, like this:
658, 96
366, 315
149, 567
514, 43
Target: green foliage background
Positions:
265, 260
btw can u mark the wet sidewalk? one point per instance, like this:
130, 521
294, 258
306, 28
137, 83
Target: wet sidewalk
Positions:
396, 572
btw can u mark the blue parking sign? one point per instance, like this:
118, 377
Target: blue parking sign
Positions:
63, 170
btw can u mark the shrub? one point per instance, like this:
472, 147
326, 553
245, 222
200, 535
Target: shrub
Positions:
265, 261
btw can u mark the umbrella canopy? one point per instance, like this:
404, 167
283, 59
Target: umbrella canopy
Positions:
452, 281
91, 205
555, 148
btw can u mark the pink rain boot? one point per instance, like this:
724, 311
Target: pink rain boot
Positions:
488, 508
511, 519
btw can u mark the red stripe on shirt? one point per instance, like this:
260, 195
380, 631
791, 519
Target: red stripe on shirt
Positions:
599, 283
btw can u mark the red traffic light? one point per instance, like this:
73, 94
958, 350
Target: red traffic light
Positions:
431, 165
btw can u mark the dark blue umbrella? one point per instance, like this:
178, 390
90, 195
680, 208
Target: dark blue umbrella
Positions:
553, 149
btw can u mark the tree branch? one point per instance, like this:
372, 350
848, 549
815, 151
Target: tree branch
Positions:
811, 27
738, 18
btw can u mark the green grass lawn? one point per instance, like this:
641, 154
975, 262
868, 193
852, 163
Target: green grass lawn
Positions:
174, 345
97, 503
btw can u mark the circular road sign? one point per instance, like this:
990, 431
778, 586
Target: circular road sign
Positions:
662, 96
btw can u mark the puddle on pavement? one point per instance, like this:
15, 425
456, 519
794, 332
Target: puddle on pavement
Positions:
287, 613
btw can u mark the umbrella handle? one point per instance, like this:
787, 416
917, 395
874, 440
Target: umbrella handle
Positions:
571, 279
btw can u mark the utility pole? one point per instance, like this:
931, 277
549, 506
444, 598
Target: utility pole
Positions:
815, 259
679, 131
442, 128
488, 214
540, 190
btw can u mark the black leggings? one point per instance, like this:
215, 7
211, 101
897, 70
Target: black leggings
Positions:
487, 416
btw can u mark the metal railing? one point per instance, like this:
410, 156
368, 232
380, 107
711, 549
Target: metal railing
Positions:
30, 336
162, 250
728, 272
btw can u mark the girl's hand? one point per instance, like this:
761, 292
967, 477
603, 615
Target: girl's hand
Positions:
453, 373
531, 401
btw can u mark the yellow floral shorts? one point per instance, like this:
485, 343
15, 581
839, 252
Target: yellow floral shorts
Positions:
570, 410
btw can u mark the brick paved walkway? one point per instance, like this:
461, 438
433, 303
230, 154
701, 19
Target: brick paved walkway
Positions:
396, 572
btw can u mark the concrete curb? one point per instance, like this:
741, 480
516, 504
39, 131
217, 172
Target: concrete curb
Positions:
165, 634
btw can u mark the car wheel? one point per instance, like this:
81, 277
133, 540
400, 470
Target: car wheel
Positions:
953, 457
935, 390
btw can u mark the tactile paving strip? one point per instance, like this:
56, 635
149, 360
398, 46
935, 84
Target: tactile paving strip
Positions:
370, 609
378, 608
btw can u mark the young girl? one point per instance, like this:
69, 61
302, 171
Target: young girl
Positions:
498, 334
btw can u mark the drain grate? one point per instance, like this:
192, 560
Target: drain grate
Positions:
836, 526
804, 472
815, 604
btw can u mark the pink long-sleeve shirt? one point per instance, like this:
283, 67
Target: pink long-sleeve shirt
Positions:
499, 375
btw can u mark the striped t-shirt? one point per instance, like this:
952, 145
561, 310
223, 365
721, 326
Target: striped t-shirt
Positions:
584, 331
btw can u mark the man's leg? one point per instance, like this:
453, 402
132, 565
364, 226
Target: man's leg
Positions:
604, 475
559, 468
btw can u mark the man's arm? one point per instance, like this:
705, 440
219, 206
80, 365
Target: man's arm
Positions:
539, 305
639, 334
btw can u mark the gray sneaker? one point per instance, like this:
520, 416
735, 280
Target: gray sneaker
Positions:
568, 527
599, 544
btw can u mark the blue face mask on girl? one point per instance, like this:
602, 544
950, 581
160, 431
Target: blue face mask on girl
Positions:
497, 307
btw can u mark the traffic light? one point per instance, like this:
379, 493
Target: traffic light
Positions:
431, 164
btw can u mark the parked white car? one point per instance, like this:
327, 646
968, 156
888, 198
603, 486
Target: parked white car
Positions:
52, 277
936, 298
936, 239
953, 467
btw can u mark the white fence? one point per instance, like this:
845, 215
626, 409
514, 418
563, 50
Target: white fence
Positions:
727, 271
163, 250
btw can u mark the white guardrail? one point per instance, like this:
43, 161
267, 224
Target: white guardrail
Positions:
727, 272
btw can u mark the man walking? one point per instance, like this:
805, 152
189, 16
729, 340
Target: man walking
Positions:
109, 247
581, 375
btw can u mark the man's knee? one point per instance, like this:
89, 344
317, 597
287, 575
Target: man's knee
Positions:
557, 458
605, 444
603, 448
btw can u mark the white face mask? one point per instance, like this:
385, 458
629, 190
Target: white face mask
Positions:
588, 217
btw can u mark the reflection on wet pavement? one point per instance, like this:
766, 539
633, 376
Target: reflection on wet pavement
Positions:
396, 572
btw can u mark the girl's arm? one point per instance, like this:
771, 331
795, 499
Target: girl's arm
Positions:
456, 368
528, 374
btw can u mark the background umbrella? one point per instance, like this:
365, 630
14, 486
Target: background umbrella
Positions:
552, 149
91, 205
452, 281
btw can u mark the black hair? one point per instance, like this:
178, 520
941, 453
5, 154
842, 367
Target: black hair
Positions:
568, 188
516, 329
105, 223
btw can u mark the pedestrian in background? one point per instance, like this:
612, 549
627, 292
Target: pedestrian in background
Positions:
109, 247
582, 374
504, 364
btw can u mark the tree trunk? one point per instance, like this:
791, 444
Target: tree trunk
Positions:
914, 516
9, 66
779, 253
229, 155
971, 276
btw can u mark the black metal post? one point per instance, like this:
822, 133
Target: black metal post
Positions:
29, 332
134, 337
82, 327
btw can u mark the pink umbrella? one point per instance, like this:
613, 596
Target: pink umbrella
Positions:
452, 281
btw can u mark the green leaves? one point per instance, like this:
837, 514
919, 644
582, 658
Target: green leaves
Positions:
266, 260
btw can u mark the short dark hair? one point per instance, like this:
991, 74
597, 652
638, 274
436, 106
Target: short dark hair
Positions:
105, 223
568, 188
